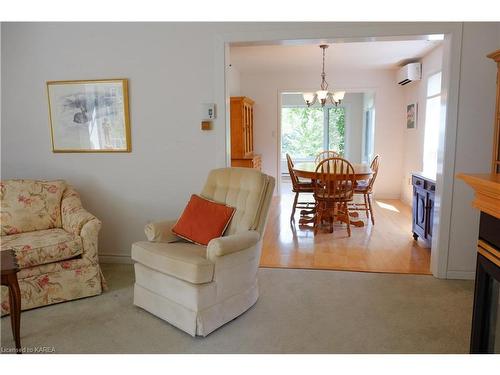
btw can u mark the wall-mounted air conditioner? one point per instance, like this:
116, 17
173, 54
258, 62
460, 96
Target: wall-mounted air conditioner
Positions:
409, 73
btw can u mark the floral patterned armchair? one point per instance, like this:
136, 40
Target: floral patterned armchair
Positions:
54, 239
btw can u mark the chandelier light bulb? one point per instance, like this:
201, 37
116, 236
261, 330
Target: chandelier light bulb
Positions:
308, 97
338, 96
322, 94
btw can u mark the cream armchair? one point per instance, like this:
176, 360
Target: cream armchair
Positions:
198, 288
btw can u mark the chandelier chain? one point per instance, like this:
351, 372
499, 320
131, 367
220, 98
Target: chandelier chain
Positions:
324, 84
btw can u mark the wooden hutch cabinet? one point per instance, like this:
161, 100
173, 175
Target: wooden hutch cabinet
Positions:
485, 335
242, 154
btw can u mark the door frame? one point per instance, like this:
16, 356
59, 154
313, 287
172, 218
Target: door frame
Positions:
329, 32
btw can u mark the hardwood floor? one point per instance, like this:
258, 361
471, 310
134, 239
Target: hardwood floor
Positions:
387, 246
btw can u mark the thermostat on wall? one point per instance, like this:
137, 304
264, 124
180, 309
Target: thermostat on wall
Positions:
208, 111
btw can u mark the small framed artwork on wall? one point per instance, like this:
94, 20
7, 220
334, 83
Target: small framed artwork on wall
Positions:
89, 116
411, 116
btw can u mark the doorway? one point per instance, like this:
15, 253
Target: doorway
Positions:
450, 73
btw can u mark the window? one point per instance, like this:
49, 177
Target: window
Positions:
307, 131
432, 123
336, 129
368, 135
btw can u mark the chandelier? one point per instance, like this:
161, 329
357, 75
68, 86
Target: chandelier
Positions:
323, 95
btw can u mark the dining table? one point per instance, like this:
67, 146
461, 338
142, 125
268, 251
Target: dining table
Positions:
362, 171
307, 170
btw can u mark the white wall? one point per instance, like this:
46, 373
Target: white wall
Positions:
474, 140
1, 49
233, 79
264, 88
416, 92
168, 79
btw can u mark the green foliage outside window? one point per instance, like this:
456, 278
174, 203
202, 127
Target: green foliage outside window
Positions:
303, 131
336, 129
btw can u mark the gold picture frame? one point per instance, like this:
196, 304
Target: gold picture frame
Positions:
89, 115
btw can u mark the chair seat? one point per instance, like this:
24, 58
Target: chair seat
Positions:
303, 187
43, 246
361, 187
183, 260
333, 197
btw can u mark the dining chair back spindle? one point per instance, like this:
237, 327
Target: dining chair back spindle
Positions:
326, 155
333, 189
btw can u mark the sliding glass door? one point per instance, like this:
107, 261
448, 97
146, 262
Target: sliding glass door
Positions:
307, 131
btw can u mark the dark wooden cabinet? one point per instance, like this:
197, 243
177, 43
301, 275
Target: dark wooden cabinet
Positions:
423, 207
485, 335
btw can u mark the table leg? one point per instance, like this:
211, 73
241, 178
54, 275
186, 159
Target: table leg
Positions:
15, 310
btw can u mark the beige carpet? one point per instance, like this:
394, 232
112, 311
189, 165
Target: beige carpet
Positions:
299, 311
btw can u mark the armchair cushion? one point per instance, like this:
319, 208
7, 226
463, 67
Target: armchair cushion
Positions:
29, 205
183, 260
43, 246
203, 220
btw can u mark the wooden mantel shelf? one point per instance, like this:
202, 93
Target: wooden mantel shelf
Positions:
487, 189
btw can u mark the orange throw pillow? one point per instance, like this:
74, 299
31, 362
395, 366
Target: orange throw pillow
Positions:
203, 220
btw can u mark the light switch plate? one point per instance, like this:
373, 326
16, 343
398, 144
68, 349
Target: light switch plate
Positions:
208, 111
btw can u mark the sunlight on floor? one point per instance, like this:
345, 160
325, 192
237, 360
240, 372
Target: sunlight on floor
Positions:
387, 206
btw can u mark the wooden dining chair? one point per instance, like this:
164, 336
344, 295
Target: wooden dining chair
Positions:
365, 188
333, 190
325, 155
298, 187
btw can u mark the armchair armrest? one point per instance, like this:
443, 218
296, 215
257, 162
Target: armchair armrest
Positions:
77, 220
73, 215
160, 231
230, 244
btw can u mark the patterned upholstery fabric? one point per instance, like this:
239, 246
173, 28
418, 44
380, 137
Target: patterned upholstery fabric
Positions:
74, 216
29, 205
55, 287
43, 246
58, 263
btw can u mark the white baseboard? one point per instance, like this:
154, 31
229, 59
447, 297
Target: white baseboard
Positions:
461, 275
109, 258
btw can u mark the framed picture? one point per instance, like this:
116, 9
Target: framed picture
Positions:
411, 116
89, 116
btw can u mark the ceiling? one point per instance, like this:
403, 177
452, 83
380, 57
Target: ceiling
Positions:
352, 55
